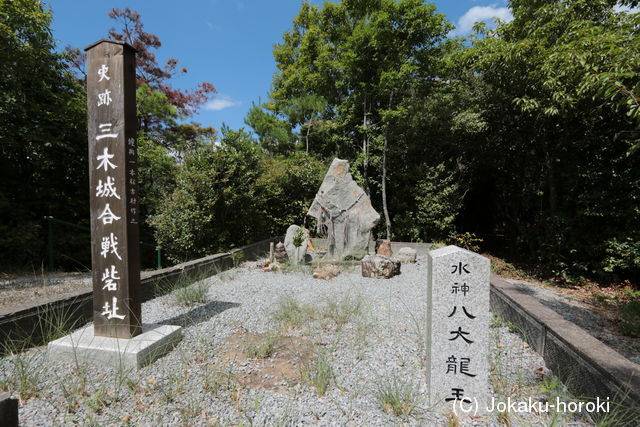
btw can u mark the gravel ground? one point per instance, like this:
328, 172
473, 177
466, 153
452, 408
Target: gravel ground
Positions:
39, 287
598, 322
373, 337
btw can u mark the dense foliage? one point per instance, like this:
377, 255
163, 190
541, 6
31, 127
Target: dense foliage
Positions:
43, 161
526, 135
233, 194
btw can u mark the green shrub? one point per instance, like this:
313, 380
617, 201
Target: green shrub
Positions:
438, 203
468, 241
232, 195
630, 313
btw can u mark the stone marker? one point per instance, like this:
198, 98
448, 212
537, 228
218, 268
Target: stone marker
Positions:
379, 267
458, 328
407, 255
383, 247
280, 253
296, 242
271, 250
344, 213
8, 410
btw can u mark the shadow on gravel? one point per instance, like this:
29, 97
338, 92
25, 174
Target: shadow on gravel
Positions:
200, 314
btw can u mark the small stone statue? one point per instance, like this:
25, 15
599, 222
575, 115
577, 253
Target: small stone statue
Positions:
280, 253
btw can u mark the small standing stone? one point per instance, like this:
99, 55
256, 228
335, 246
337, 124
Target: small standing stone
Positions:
407, 255
379, 267
458, 329
271, 250
280, 253
383, 247
296, 243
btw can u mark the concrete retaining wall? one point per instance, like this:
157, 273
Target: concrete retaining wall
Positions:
76, 308
587, 366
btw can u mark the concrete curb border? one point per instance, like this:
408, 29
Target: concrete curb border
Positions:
587, 366
78, 306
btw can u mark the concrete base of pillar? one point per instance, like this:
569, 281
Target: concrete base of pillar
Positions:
154, 342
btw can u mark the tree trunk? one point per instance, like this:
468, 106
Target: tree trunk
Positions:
365, 148
551, 182
307, 137
384, 188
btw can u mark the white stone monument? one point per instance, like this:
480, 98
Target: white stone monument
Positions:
458, 330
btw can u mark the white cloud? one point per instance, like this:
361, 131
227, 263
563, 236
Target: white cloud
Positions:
220, 103
481, 13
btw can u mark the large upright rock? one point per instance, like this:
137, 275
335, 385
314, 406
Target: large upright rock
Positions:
296, 242
344, 213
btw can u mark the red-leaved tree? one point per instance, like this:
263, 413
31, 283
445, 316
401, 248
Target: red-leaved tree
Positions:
131, 30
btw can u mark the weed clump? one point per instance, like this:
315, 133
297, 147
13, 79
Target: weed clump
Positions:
318, 372
396, 396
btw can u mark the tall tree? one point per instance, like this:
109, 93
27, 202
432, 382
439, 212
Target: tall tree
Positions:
131, 30
559, 99
42, 136
363, 58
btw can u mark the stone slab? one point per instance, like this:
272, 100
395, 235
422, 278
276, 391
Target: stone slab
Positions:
458, 320
154, 342
8, 410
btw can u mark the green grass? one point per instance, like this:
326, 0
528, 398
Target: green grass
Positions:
216, 381
290, 313
193, 294
342, 310
23, 374
184, 280
396, 396
262, 349
318, 372
619, 415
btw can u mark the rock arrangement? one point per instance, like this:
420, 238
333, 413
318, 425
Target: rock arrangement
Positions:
379, 267
407, 255
383, 247
296, 242
326, 272
344, 213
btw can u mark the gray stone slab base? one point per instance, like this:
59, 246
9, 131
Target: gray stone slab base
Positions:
154, 342
8, 410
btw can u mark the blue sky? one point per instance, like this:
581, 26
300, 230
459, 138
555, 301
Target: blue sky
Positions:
226, 42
